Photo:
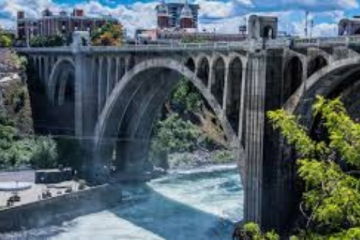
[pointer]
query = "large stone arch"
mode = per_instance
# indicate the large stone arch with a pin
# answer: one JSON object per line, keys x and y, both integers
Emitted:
{"x": 134, "y": 104}
{"x": 328, "y": 81}
{"x": 62, "y": 67}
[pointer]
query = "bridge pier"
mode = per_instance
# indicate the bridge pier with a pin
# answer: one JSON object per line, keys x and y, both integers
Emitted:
{"x": 269, "y": 194}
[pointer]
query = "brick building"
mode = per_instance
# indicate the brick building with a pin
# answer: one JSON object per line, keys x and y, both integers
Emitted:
{"x": 177, "y": 15}
{"x": 64, "y": 24}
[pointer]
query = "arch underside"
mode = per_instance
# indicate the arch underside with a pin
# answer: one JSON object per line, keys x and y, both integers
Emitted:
{"x": 342, "y": 79}
{"x": 126, "y": 121}
{"x": 61, "y": 92}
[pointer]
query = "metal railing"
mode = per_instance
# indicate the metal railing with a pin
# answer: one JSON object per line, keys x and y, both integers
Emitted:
{"x": 246, "y": 45}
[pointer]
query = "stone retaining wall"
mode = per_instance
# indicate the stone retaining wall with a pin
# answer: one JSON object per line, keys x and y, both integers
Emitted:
{"x": 60, "y": 208}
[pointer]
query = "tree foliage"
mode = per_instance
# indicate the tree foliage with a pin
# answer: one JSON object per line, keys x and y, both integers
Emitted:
{"x": 329, "y": 169}
{"x": 17, "y": 150}
{"x": 110, "y": 34}
{"x": 5, "y": 40}
{"x": 186, "y": 97}
{"x": 50, "y": 41}
{"x": 175, "y": 134}
{"x": 251, "y": 231}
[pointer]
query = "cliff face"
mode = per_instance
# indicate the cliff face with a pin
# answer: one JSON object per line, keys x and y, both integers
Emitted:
{"x": 14, "y": 95}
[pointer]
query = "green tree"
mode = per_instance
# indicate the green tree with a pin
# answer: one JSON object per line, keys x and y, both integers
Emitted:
{"x": 5, "y": 40}
{"x": 110, "y": 34}
{"x": 187, "y": 97}
{"x": 329, "y": 169}
{"x": 44, "y": 154}
{"x": 50, "y": 41}
{"x": 173, "y": 135}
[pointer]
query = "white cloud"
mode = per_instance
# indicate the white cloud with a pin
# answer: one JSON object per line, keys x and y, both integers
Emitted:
{"x": 215, "y": 9}
{"x": 213, "y": 14}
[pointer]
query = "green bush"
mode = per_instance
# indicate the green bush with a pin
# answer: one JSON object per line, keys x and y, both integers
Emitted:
{"x": 251, "y": 231}
{"x": 223, "y": 157}
{"x": 175, "y": 134}
{"x": 5, "y": 41}
{"x": 44, "y": 154}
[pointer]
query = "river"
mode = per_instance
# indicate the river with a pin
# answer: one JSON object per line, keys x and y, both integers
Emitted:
{"x": 196, "y": 204}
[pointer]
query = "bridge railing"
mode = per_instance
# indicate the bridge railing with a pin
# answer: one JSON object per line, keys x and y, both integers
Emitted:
{"x": 355, "y": 40}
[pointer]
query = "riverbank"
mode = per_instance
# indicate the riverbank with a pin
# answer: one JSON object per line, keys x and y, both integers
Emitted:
{"x": 58, "y": 209}
{"x": 200, "y": 158}
{"x": 196, "y": 204}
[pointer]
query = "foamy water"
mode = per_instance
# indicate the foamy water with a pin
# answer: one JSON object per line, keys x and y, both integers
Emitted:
{"x": 197, "y": 204}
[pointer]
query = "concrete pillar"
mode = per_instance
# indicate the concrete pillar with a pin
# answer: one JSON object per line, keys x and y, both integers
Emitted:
{"x": 226, "y": 90}
{"x": 254, "y": 146}
{"x": 100, "y": 94}
{"x": 80, "y": 84}
{"x": 109, "y": 77}
{"x": 211, "y": 76}
{"x": 41, "y": 69}
{"x": 62, "y": 88}
{"x": 47, "y": 70}
{"x": 242, "y": 104}
{"x": 270, "y": 196}
{"x": 117, "y": 71}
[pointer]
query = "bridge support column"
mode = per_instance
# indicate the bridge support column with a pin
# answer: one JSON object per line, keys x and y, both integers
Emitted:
{"x": 85, "y": 106}
{"x": 269, "y": 199}
{"x": 47, "y": 70}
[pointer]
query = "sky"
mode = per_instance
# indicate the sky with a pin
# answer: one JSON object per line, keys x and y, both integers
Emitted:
{"x": 215, "y": 15}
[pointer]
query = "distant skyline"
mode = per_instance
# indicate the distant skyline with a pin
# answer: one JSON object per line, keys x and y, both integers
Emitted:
{"x": 223, "y": 15}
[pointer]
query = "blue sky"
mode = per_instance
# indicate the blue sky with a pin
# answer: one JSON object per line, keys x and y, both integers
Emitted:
{"x": 218, "y": 15}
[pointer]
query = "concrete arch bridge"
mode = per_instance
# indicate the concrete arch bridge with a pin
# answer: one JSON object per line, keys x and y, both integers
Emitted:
{"x": 109, "y": 97}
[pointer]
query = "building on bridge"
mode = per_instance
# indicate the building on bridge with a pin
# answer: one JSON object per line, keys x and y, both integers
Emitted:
{"x": 65, "y": 24}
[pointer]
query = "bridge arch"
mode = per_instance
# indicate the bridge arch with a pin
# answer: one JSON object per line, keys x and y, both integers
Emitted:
{"x": 61, "y": 68}
{"x": 133, "y": 106}
{"x": 190, "y": 63}
{"x": 61, "y": 94}
{"x": 203, "y": 70}
{"x": 293, "y": 75}
{"x": 328, "y": 81}
{"x": 234, "y": 91}
{"x": 315, "y": 64}
{"x": 218, "y": 78}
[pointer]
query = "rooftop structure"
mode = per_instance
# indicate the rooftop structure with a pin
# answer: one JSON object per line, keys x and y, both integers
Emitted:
{"x": 176, "y": 15}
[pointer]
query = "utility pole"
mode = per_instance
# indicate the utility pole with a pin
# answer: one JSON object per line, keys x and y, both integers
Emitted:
{"x": 306, "y": 23}
{"x": 311, "y": 27}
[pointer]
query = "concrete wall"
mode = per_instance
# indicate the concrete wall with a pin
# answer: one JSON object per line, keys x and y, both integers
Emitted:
{"x": 58, "y": 209}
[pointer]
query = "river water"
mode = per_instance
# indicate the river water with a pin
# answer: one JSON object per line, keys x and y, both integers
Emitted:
{"x": 196, "y": 204}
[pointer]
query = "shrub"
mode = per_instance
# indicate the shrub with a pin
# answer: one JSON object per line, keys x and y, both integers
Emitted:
{"x": 44, "y": 154}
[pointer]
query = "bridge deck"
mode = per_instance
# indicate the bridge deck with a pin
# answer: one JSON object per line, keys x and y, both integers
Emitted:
{"x": 245, "y": 45}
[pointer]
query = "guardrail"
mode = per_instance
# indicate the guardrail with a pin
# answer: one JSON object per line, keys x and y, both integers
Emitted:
{"x": 246, "y": 45}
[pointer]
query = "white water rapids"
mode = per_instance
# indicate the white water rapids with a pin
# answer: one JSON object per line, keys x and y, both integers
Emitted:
{"x": 196, "y": 204}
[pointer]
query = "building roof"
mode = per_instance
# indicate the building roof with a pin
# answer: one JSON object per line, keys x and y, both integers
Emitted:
{"x": 186, "y": 11}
